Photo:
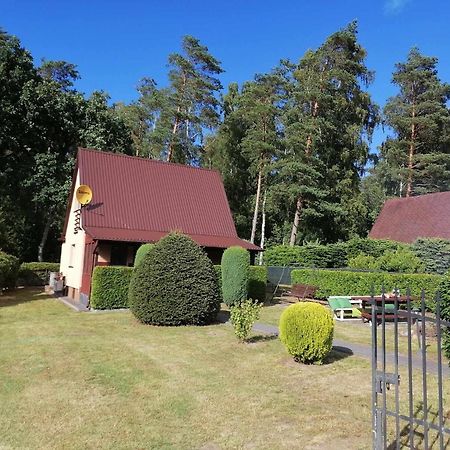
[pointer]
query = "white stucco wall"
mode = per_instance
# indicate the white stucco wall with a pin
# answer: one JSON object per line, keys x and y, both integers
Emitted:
{"x": 72, "y": 250}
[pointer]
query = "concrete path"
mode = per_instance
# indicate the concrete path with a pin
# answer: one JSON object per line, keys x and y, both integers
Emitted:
{"x": 365, "y": 351}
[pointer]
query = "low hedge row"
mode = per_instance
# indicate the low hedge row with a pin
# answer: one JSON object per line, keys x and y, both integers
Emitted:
{"x": 9, "y": 268}
{"x": 328, "y": 255}
{"x": 342, "y": 282}
{"x": 256, "y": 284}
{"x": 36, "y": 273}
{"x": 110, "y": 287}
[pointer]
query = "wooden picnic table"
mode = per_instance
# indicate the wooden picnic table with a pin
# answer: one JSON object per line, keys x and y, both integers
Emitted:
{"x": 366, "y": 305}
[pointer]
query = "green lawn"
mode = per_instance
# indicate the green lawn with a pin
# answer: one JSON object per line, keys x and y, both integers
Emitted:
{"x": 101, "y": 380}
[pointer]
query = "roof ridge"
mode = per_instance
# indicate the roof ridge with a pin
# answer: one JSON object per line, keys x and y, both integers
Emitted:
{"x": 122, "y": 155}
{"x": 428, "y": 194}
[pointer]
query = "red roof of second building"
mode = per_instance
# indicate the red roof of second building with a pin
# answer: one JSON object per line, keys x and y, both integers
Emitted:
{"x": 141, "y": 200}
{"x": 406, "y": 219}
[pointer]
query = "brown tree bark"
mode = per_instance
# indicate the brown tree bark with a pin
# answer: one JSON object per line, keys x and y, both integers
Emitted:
{"x": 263, "y": 227}
{"x": 411, "y": 153}
{"x": 256, "y": 211}
{"x": 43, "y": 240}
{"x": 299, "y": 205}
{"x": 295, "y": 224}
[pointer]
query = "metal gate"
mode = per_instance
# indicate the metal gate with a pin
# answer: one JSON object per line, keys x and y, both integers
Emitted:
{"x": 410, "y": 380}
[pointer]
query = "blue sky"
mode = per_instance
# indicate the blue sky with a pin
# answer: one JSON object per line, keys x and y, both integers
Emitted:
{"x": 115, "y": 43}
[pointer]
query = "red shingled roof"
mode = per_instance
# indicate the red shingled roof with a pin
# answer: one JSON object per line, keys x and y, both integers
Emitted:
{"x": 141, "y": 200}
{"x": 406, "y": 219}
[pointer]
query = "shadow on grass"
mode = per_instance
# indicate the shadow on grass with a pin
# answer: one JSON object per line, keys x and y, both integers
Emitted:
{"x": 261, "y": 338}
{"x": 337, "y": 353}
{"x": 20, "y": 295}
{"x": 223, "y": 317}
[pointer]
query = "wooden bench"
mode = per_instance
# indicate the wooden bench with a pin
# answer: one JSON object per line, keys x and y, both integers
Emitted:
{"x": 300, "y": 291}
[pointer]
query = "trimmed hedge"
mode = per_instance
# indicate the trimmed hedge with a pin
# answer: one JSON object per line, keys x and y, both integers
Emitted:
{"x": 36, "y": 273}
{"x": 9, "y": 269}
{"x": 306, "y": 329}
{"x": 235, "y": 275}
{"x": 175, "y": 284}
{"x": 141, "y": 252}
{"x": 110, "y": 287}
{"x": 257, "y": 281}
{"x": 342, "y": 282}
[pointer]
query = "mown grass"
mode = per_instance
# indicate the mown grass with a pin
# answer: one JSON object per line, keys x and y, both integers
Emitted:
{"x": 86, "y": 380}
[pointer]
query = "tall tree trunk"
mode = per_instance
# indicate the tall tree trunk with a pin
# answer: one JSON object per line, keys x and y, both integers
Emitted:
{"x": 43, "y": 240}
{"x": 299, "y": 205}
{"x": 411, "y": 152}
{"x": 263, "y": 227}
{"x": 295, "y": 224}
{"x": 170, "y": 149}
{"x": 256, "y": 211}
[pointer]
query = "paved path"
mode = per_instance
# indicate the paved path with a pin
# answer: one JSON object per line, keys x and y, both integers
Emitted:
{"x": 365, "y": 351}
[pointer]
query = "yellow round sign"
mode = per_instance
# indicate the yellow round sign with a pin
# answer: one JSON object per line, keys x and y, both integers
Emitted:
{"x": 84, "y": 194}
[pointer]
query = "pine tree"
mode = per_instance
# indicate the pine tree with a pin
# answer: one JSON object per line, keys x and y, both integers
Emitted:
{"x": 417, "y": 158}
{"x": 327, "y": 126}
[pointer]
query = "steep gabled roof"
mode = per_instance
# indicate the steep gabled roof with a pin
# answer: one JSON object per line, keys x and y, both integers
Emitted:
{"x": 141, "y": 200}
{"x": 406, "y": 219}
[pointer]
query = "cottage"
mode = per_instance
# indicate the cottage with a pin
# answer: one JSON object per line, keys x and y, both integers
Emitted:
{"x": 136, "y": 200}
{"x": 406, "y": 219}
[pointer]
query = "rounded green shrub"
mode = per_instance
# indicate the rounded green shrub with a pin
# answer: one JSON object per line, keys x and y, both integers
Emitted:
{"x": 9, "y": 269}
{"x": 175, "y": 284}
{"x": 141, "y": 252}
{"x": 306, "y": 330}
{"x": 235, "y": 275}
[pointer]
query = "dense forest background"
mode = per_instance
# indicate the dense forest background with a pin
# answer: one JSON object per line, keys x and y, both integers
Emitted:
{"x": 292, "y": 145}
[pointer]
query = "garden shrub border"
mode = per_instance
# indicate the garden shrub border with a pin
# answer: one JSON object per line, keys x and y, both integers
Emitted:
{"x": 110, "y": 287}
{"x": 345, "y": 282}
{"x": 36, "y": 273}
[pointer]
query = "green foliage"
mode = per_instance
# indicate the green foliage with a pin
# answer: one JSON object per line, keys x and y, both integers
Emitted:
{"x": 110, "y": 287}
{"x": 243, "y": 316}
{"x": 363, "y": 262}
{"x": 235, "y": 275}
{"x": 36, "y": 273}
{"x": 341, "y": 282}
{"x": 416, "y": 158}
{"x": 44, "y": 119}
{"x": 257, "y": 282}
{"x": 9, "y": 268}
{"x": 401, "y": 260}
{"x": 141, "y": 252}
{"x": 175, "y": 284}
{"x": 434, "y": 253}
{"x": 306, "y": 329}
{"x": 372, "y": 247}
{"x": 444, "y": 293}
{"x": 308, "y": 255}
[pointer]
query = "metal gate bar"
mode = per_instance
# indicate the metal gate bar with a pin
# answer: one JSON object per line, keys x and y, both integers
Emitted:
{"x": 382, "y": 380}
